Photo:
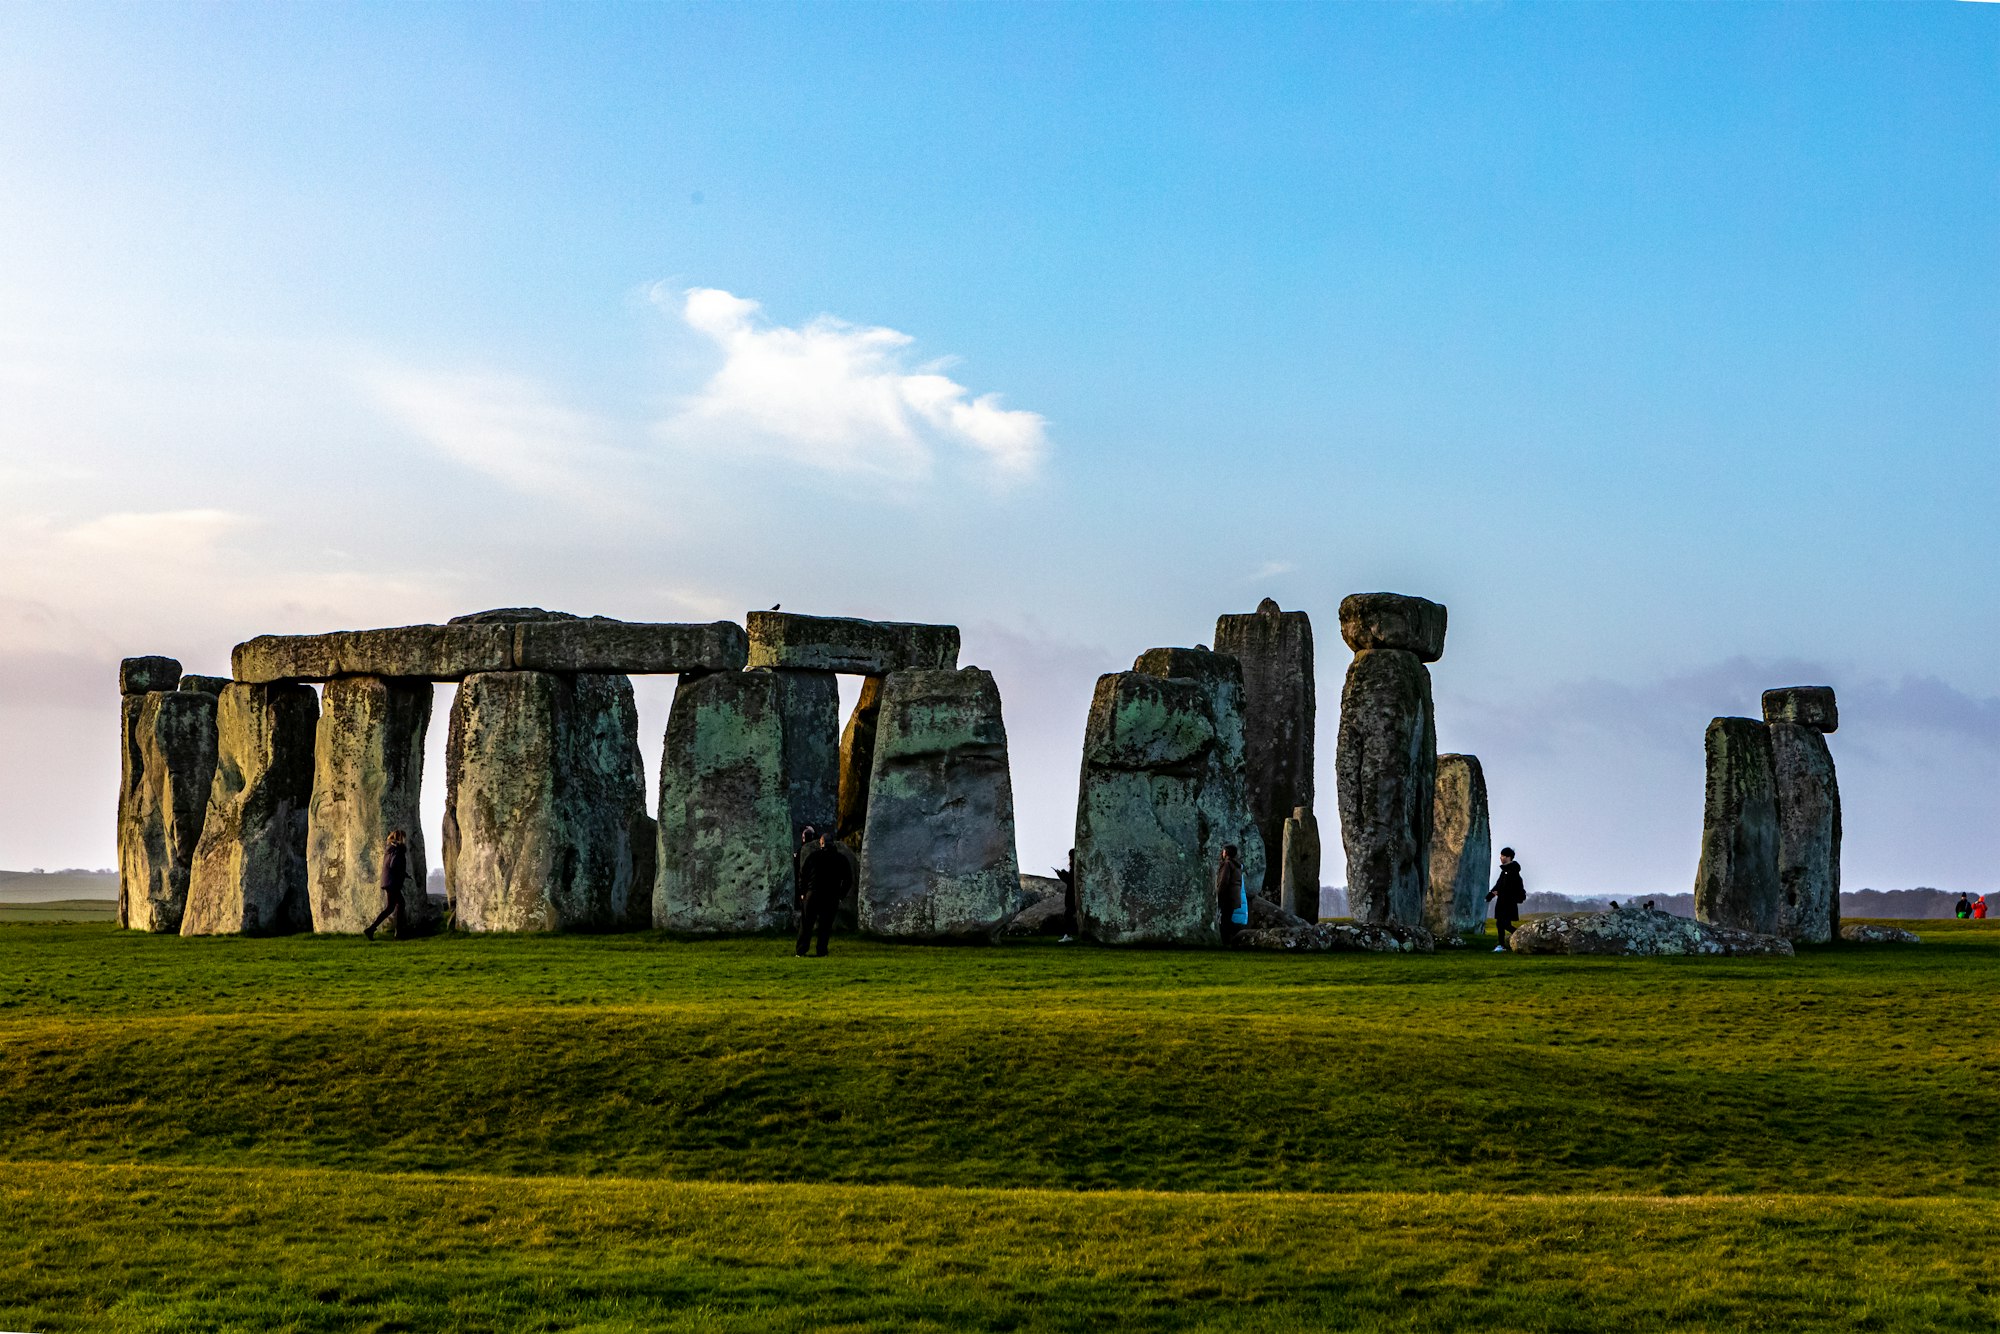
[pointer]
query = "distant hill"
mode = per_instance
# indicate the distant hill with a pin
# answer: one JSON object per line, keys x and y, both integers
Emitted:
{"x": 54, "y": 886}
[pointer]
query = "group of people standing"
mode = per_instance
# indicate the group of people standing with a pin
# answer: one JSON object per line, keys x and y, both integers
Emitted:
{"x": 1972, "y": 908}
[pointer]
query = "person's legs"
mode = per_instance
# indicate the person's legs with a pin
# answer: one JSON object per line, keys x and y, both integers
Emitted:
{"x": 393, "y": 908}
{"x": 826, "y": 916}
{"x": 805, "y": 916}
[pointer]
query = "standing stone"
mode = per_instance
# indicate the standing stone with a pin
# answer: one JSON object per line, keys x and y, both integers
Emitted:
{"x": 167, "y": 766}
{"x": 368, "y": 779}
{"x": 1808, "y": 795}
{"x": 1737, "y": 882}
{"x": 809, "y": 705}
{"x": 249, "y": 872}
{"x": 1461, "y": 848}
{"x": 1145, "y": 850}
{"x": 1280, "y": 710}
{"x": 545, "y": 826}
{"x": 1300, "y": 881}
{"x": 1386, "y": 764}
{"x": 938, "y": 859}
{"x": 725, "y": 830}
{"x": 857, "y": 761}
{"x": 1225, "y": 795}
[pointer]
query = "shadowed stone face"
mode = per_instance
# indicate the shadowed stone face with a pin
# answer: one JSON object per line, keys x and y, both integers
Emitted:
{"x": 1461, "y": 848}
{"x": 143, "y": 676}
{"x": 1387, "y": 770}
{"x": 840, "y": 644}
{"x": 1737, "y": 882}
{"x": 1225, "y": 796}
{"x": 368, "y": 780}
{"x": 1145, "y": 847}
{"x": 1808, "y": 794}
{"x": 1393, "y": 621}
{"x": 249, "y": 873}
{"x": 1280, "y": 709}
{"x": 545, "y": 826}
{"x": 809, "y": 703}
{"x": 726, "y": 839}
{"x": 168, "y": 764}
{"x": 1808, "y": 706}
{"x": 938, "y": 859}
{"x": 1301, "y": 867}
{"x": 207, "y": 685}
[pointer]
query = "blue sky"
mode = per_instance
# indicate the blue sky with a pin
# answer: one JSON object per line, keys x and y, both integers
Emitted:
{"x": 1662, "y": 343}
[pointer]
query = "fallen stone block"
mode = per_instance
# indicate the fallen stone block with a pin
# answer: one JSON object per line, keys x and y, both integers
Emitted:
{"x": 1393, "y": 621}
{"x": 1339, "y": 937}
{"x": 1869, "y": 933}
{"x": 1637, "y": 930}
{"x": 842, "y": 644}
{"x": 249, "y": 871}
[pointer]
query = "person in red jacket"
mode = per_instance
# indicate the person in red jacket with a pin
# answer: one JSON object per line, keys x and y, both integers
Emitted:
{"x": 1979, "y": 908}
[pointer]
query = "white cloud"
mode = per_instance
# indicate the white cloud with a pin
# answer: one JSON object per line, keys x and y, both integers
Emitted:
{"x": 837, "y": 396}
{"x": 507, "y": 428}
{"x": 162, "y": 534}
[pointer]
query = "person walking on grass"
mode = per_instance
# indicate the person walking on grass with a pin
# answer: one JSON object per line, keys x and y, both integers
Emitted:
{"x": 395, "y": 870}
{"x": 825, "y": 876}
{"x": 1507, "y": 896}
{"x": 1230, "y": 900}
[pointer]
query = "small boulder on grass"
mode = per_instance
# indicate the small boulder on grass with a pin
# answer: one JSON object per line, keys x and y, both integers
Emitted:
{"x": 1640, "y": 931}
{"x": 1867, "y": 933}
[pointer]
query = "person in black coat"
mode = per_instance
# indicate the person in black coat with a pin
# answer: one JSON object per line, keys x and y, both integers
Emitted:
{"x": 395, "y": 870}
{"x": 1507, "y": 896}
{"x": 825, "y": 877}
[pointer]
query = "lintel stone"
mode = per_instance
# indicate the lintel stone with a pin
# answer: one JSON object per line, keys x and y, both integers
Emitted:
{"x": 843, "y": 644}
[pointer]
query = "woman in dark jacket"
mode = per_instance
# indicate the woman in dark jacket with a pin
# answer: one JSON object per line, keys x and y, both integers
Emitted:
{"x": 1507, "y": 896}
{"x": 395, "y": 870}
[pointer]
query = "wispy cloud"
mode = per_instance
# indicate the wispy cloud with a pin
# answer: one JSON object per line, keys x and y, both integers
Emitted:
{"x": 168, "y": 534}
{"x": 837, "y": 397}
{"x": 506, "y": 427}
{"x": 1271, "y": 569}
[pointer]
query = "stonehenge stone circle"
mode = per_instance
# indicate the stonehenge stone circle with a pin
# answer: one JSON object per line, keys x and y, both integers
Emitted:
{"x": 1386, "y": 757}
{"x": 840, "y": 644}
{"x": 368, "y": 766}
{"x": 937, "y": 856}
{"x": 545, "y": 826}
{"x": 1145, "y": 849}
{"x": 1300, "y": 879}
{"x": 143, "y": 676}
{"x": 1280, "y": 712}
{"x": 1225, "y": 798}
{"x": 726, "y": 839}
{"x": 1393, "y": 621}
{"x": 1808, "y": 706}
{"x": 167, "y": 765}
{"x": 1461, "y": 848}
{"x": 1808, "y": 795}
{"x": 249, "y": 871}
{"x": 1737, "y": 882}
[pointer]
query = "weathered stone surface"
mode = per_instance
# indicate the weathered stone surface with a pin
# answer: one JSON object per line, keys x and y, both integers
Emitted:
{"x": 1808, "y": 706}
{"x": 1868, "y": 933}
{"x": 1737, "y": 882}
{"x": 368, "y": 778}
{"x": 937, "y": 855}
{"x": 857, "y": 762}
{"x": 249, "y": 871}
{"x": 1044, "y": 911}
{"x": 1225, "y": 795}
{"x": 1327, "y": 937}
{"x": 1393, "y": 621}
{"x": 1300, "y": 879}
{"x": 599, "y": 644}
{"x": 1640, "y": 931}
{"x": 545, "y": 827}
{"x": 1145, "y": 850}
{"x": 841, "y": 644}
{"x": 143, "y": 676}
{"x": 1808, "y": 795}
{"x": 167, "y": 765}
{"x": 726, "y": 838}
{"x": 1461, "y": 848}
{"x": 1280, "y": 715}
{"x": 207, "y": 685}
{"x": 1386, "y": 766}
{"x": 809, "y": 704}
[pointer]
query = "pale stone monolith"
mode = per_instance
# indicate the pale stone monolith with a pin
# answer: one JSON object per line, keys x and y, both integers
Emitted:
{"x": 1300, "y": 849}
{"x": 1386, "y": 766}
{"x": 1461, "y": 848}
{"x": 1808, "y": 794}
{"x": 545, "y": 827}
{"x": 249, "y": 871}
{"x": 1145, "y": 849}
{"x": 1280, "y": 710}
{"x": 857, "y": 762}
{"x": 168, "y": 762}
{"x": 726, "y": 839}
{"x": 1737, "y": 883}
{"x": 367, "y": 781}
{"x": 938, "y": 858}
{"x": 1225, "y": 794}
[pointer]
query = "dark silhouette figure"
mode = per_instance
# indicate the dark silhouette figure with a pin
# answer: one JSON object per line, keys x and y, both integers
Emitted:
{"x": 1507, "y": 896}
{"x": 825, "y": 877}
{"x": 1229, "y": 900}
{"x": 808, "y": 840}
{"x": 395, "y": 870}
{"x": 1963, "y": 908}
{"x": 1067, "y": 874}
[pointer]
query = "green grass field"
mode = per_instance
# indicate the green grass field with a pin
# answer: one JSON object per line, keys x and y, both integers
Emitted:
{"x": 632, "y": 1132}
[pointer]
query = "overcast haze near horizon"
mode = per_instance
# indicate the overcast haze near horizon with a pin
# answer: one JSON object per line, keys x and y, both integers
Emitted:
{"x": 1662, "y": 344}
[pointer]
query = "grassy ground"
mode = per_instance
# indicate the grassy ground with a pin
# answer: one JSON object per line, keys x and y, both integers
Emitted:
{"x": 634, "y": 1132}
